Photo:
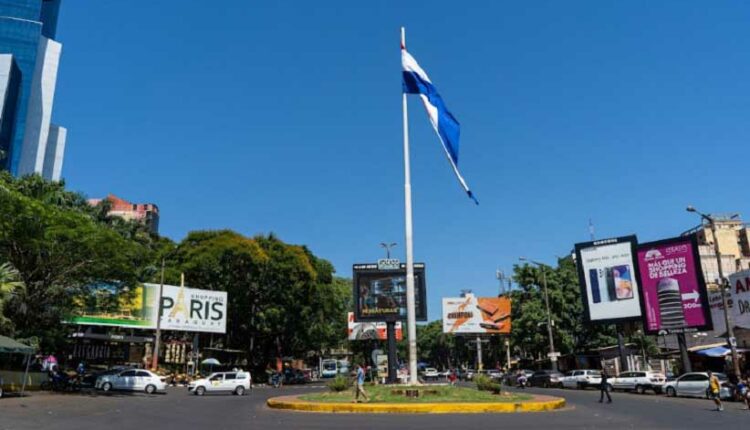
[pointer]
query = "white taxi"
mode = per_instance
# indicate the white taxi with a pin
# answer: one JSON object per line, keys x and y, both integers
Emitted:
{"x": 229, "y": 382}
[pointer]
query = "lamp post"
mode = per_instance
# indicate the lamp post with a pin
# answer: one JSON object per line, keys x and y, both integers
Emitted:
{"x": 387, "y": 247}
{"x": 552, "y": 356}
{"x": 722, "y": 285}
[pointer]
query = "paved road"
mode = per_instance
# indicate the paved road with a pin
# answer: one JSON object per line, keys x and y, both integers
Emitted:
{"x": 178, "y": 410}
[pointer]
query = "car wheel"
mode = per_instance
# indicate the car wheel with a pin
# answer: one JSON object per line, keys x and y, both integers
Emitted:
{"x": 150, "y": 389}
{"x": 1, "y": 392}
{"x": 580, "y": 386}
{"x": 545, "y": 385}
{"x": 240, "y": 391}
{"x": 671, "y": 392}
{"x": 200, "y": 391}
{"x": 640, "y": 389}
{"x": 106, "y": 387}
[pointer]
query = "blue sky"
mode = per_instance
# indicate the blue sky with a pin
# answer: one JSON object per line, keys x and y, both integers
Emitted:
{"x": 286, "y": 117}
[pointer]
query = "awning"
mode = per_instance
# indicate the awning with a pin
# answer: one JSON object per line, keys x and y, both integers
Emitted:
{"x": 10, "y": 346}
{"x": 719, "y": 351}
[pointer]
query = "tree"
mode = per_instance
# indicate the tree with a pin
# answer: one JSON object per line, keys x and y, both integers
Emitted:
{"x": 10, "y": 283}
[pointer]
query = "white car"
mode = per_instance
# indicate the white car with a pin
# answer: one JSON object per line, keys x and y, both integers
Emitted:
{"x": 581, "y": 379}
{"x": 695, "y": 384}
{"x": 431, "y": 373}
{"x": 231, "y": 382}
{"x": 638, "y": 381}
{"x": 131, "y": 380}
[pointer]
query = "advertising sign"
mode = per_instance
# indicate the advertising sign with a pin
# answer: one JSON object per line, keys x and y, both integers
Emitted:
{"x": 476, "y": 315}
{"x": 675, "y": 299}
{"x": 370, "y": 330}
{"x": 738, "y": 299}
{"x": 183, "y": 309}
{"x": 191, "y": 309}
{"x": 380, "y": 295}
{"x": 609, "y": 280}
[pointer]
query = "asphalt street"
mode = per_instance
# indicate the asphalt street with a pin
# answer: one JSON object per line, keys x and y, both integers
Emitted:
{"x": 179, "y": 410}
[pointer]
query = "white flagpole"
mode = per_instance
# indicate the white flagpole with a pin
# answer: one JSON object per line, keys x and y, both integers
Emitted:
{"x": 410, "y": 305}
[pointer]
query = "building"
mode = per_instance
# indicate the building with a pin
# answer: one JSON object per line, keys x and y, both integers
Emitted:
{"x": 733, "y": 237}
{"x": 144, "y": 213}
{"x": 29, "y": 58}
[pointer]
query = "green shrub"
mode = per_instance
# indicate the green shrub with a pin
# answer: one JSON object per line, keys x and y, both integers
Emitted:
{"x": 485, "y": 383}
{"x": 339, "y": 383}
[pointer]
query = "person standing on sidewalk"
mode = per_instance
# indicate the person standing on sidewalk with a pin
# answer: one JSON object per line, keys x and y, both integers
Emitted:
{"x": 714, "y": 386}
{"x": 604, "y": 387}
{"x": 359, "y": 383}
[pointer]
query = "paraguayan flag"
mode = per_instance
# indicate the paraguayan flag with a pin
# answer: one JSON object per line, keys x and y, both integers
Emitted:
{"x": 415, "y": 81}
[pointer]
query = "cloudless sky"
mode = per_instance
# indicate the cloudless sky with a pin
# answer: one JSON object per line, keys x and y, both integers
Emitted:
{"x": 285, "y": 117}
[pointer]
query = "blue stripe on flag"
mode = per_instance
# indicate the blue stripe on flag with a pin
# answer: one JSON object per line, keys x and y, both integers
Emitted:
{"x": 448, "y": 127}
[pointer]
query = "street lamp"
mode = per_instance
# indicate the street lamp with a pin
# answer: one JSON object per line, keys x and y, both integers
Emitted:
{"x": 552, "y": 355}
{"x": 722, "y": 286}
{"x": 388, "y": 247}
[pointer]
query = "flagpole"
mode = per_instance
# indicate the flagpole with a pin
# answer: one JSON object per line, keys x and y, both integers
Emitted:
{"x": 410, "y": 305}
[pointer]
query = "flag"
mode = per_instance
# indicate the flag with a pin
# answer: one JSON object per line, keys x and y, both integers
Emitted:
{"x": 416, "y": 81}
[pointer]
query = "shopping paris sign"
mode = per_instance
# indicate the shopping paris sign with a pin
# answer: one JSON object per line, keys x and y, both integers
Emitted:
{"x": 191, "y": 309}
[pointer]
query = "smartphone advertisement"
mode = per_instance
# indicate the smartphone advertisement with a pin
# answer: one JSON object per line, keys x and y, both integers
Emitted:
{"x": 675, "y": 299}
{"x": 609, "y": 279}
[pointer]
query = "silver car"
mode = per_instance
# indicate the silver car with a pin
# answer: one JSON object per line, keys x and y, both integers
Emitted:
{"x": 695, "y": 384}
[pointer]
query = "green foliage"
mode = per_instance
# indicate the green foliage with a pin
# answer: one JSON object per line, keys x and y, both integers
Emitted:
{"x": 339, "y": 383}
{"x": 10, "y": 284}
{"x": 485, "y": 383}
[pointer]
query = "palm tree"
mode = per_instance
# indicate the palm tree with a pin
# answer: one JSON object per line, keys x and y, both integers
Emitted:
{"x": 10, "y": 283}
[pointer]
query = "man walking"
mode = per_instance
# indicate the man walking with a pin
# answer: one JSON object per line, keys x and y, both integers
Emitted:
{"x": 714, "y": 387}
{"x": 604, "y": 387}
{"x": 359, "y": 389}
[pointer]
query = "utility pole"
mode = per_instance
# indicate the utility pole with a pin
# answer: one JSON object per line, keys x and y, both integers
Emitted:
{"x": 552, "y": 354}
{"x": 723, "y": 287}
{"x": 157, "y": 339}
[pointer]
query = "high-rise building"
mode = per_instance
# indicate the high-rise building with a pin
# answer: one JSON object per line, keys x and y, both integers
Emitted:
{"x": 29, "y": 57}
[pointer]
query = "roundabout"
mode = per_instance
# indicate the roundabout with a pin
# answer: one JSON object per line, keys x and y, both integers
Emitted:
{"x": 385, "y": 401}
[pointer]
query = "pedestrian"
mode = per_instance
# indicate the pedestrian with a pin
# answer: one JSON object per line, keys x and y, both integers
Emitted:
{"x": 604, "y": 387}
{"x": 452, "y": 377}
{"x": 714, "y": 387}
{"x": 359, "y": 385}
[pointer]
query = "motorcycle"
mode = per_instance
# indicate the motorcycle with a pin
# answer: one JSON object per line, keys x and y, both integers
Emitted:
{"x": 522, "y": 382}
{"x": 276, "y": 379}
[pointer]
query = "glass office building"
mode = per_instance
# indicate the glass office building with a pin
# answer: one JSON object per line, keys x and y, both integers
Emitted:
{"x": 30, "y": 143}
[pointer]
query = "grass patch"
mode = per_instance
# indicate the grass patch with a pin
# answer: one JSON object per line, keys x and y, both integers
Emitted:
{"x": 429, "y": 394}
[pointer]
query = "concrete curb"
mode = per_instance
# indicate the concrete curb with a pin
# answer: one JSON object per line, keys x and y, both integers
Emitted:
{"x": 538, "y": 404}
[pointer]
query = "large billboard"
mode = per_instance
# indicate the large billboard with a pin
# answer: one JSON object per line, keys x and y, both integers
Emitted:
{"x": 380, "y": 295}
{"x": 609, "y": 279}
{"x": 476, "y": 315}
{"x": 675, "y": 299}
{"x": 738, "y": 299}
{"x": 183, "y": 309}
{"x": 370, "y": 330}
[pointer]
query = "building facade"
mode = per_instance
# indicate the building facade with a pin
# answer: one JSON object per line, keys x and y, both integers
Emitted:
{"x": 29, "y": 141}
{"x": 144, "y": 213}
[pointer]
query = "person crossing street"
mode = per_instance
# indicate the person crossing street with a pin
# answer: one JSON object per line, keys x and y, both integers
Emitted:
{"x": 359, "y": 385}
{"x": 714, "y": 387}
{"x": 604, "y": 387}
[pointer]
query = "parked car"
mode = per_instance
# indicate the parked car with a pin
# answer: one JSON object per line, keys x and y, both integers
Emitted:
{"x": 229, "y": 382}
{"x": 545, "y": 378}
{"x": 495, "y": 374}
{"x": 582, "y": 379}
{"x": 468, "y": 374}
{"x": 131, "y": 380}
{"x": 695, "y": 384}
{"x": 430, "y": 373}
{"x": 639, "y": 382}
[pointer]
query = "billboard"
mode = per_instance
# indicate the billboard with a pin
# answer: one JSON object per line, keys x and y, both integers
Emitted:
{"x": 738, "y": 299}
{"x": 609, "y": 280}
{"x": 183, "y": 309}
{"x": 476, "y": 315}
{"x": 380, "y": 295}
{"x": 370, "y": 330}
{"x": 674, "y": 293}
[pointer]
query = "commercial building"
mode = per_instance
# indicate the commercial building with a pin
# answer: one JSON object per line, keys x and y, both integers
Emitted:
{"x": 144, "y": 213}
{"x": 733, "y": 237}
{"x": 29, "y": 58}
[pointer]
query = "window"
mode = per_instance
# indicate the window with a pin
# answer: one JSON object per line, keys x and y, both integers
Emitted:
{"x": 217, "y": 377}
{"x": 230, "y": 376}
{"x": 129, "y": 373}
{"x": 640, "y": 374}
{"x": 142, "y": 374}
{"x": 694, "y": 378}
